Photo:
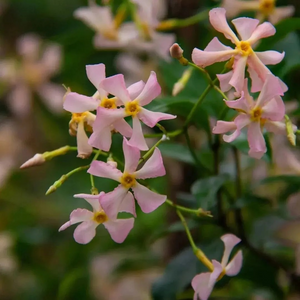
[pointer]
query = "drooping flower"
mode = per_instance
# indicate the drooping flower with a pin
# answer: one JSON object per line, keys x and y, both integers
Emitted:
{"x": 121, "y": 199}
{"x": 266, "y": 112}
{"x": 86, "y": 231}
{"x": 250, "y": 32}
{"x": 265, "y": 9}
{"x": 203, "y": 283}
{"x": 30, "y": 73}
{"x": 80, "y": 107}
{"x": 133, "y": 106}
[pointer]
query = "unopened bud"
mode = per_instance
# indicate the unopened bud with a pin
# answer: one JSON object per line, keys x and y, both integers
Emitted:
{"x": 112, "y": 162}
{"x": 182, "y": 82}
{"x": 290, "y": 130}
{"x": 176, "y": 51}
{"x": 36, "y": 160}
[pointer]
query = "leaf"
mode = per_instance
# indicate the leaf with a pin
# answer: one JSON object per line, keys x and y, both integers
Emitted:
{"x": 205, "y": 190}
{"x": 250, "y": 200}
{"x": 177, "y": 151}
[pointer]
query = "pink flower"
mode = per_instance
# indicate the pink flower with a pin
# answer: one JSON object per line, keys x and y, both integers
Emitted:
{"x": 250, "y": 33}
{"x": 265, "y": 9}
{"x": 85, "y": 232}
{"x": 267, "y": 111}
{"x": 133, "y": 106}
{"x": 203, "y": 283}
{"x": 121, "y": 199}
{"x": 80, "y": 105}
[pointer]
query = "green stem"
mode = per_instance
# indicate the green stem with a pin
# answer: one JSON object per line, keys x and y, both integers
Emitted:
{"x": 150, "y": 151}
{"x": 197, "y": 212}
{"x": 169, "y": 134}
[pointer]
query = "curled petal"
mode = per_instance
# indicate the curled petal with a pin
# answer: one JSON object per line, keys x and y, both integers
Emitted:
{"x": 83, "y": 147}
{"x": 93, "y": 200}
{"x": 85, "y": 232}
{"x": 240, "y": 104}
{"x": 151, "y": 90}
{"x": 270, "y": 57}
{"x": 240, "y": 121}
{"x": 224, "y": 81}
{"x": 238, "y": 77}
{"x": 256, "y": 141}
{"x": 223, "y": 127}
{"x": 235, "y": 265}
{"x": 147, "y": 200}
{"x": 104, "y": 170}
{"x": 200, "y": 284}
{"x": 77, "y": 103}
{"x": 263, "y": 30}
{"x": 245, "y": 27}
{"x": 135, "y": 89}
{"x": 131, "y": 155}
{"x": 119, "y": 229}
{"x": 137, "y": 139}
{"x": 151, "y": 118}
{"x": 115, "y": 85}
{"x": 95, "y": 74}
{"x": 154, "y": 167}
{"x": 256, "y": 82}
{"x": 217, "y": 18}
{"x": 76, "y": 216}
{"x": 229, "y": 240}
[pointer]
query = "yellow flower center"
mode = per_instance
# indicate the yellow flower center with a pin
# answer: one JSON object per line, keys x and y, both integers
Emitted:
{"x": 256, "y": 114}
{"x": 110, "y": 34}
{"x": 132, "y": 108}
{"x": 108, "y": 103}
{"x": 266, "y": 6}
{"x": 244, "y": 48}
{"x": 100, "y": 217}
{"x": 78, "y": 117}
{"x": 128, "y": 180}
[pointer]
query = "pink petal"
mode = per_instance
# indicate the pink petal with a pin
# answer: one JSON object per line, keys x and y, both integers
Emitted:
{"x": 112, "y": 202}
{"x": 115, "y": 85}
{"x": 93, "y": 200}
{"x": 147, "y": 200}
{"x": 223, "y": 127}
{"x": 263, "y": 30}
{"x": 151, "y": 90}
{"x": 240, "y": 121}
{"x": 270, "y": 57}
{"x": 85, "y": 232}
{"x": 245, "y": 27}
{"x": 137, "y": 139}
{"x": 51, "y": 59}
{"x": 104, "y": 170}
{"x": 200, "y": 284}
{"x": 77, "y": 103}
{"x": 123, "y": 127}
{"x": 215, "y": 46}
{"x": 95, "y": 74}
{"x": 162, "y": 43}
{"x": 207, "y": 58}
{"x": 276, "y": 127}
{"x": 151, "y": 118}
{"x": 270, "y": 89}
{"x": 238, "y": 77}
{"x": 101, "y": 139}
{"x": 256, "y": 141}
{"x": 229, "y": 240}
{"x": 281, "y": 13}
{"x": 217, "y": 18}
{"x": 135, "y": 89}
{"x": 119, "y": 229}
{"x": 240, "y": 104}
{"x": 131, "y": 155}
{"x": 224, "y": 81}
{"x": 235, "y": 265}
{"x": 154, "y": 167}
{"x": 76, "y": 216}
{"x": 128, "y": 204}
{"x": 83, "y": 147}
{"x": 256, "y": 82}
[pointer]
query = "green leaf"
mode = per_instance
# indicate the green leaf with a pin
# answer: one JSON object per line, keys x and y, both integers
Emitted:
{"x": 177, "y": 151}
{"x": 205, "y": 190}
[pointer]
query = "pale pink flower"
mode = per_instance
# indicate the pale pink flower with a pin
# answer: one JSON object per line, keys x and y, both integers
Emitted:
{"x": 86, "y": 231}
{"x": 80, "y": 107}
{"x": 250, "y": 32}
{"x": 203, "y": 283}
{"x": 266, "y": 112}
{"x": 121, "y": 199}
{"x": 265, "y": 9}
{"x": 30, "y": 73}
{"x": 115, "y": 85}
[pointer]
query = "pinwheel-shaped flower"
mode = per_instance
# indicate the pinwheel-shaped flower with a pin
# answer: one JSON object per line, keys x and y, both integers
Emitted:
{"x": 133, "y": 106}
{"x": 203, "y": 283}
{"x": 80, "y": 105}
{"x": 86, "y": 231}
{"x": 266, "y": 9}
{"x": 121, "y": 199}
{"x": 250, "y": 33}
{"x": 267, "y": 111}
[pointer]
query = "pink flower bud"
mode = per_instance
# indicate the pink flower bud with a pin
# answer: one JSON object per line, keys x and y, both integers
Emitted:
{"x": 36, "y": 160}
{"x": 176, "y": 51}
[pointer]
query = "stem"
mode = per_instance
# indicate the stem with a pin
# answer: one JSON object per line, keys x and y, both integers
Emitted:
{"x": 94, "y": 190}
{"x": 197, "y": 212}
{"x": 150, "y": 151}
{"x": 198, "y": 252}
{"x": 169, "y": 134}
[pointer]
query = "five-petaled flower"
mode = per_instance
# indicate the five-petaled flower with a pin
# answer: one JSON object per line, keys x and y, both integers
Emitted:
{"x": 203, "y": 283}
{"x": 265, "y": 9}
{"x": 266, "y": 112}
{"x": 250, "y": 33}
{"x": 86, "y": 231}
{"x": 133, "y": 106}
{"x": 121, "y": 199}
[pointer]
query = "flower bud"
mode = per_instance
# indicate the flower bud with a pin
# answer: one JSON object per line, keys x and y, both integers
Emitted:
{"x": 176, "y": 51}
{"x": 182, "y": 82}
{"x": 36, "y": 160}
